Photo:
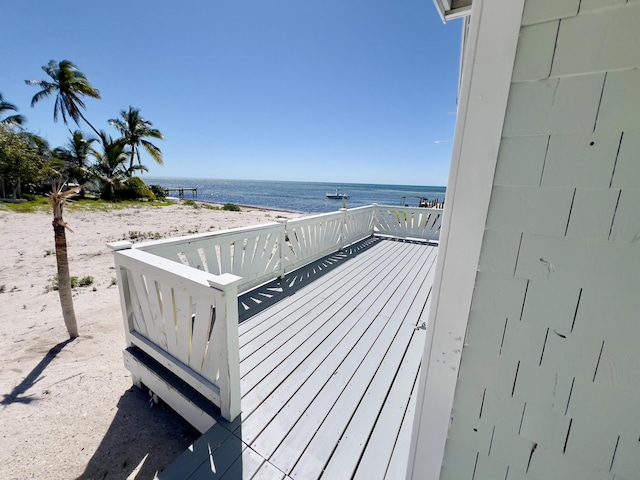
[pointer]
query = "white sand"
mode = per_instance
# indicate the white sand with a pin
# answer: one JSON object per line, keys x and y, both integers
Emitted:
{"x": 71, "y": 412}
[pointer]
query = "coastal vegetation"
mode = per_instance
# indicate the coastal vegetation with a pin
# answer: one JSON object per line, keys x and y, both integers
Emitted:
{"x": 98, "y": 161}
{"x": 106, "y": 165}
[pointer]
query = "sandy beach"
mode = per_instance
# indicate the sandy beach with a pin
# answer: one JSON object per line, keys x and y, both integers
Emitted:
{"x": 68, "y": 409}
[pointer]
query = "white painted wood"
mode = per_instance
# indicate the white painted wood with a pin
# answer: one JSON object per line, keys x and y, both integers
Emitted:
{"x": 372, "y": 313}
{"x": 627, "y": 169}
{"x": 539, "y": 11}
{"x": 499, "y": 252}
{"x": 358, "y": 224}
{"x": 536, "y": 48}
{"x": 530, "y": 209}
{"x": 499, "y": 294}
{"x": 270, "y": 377}
{"x": 350, "y": 277}
{"x": 569, "y": 155}
{"x": 197, "y": 417}
{"x": 617, "y": 307}
{"x": 311, "y": 238}
{"x": 329, "y": 431}
{"x": 521, "y": 160}
{"x": 379, "y": 446}
{"x": 487, "y": 468}
{"x": 595, "y": 397}
{"x": 510, "y": 448}
{"x": 552, "y": 304}
{"x": 619, "y": 109}
{"x": 524, "y": 341}
{"x": 398, "y": 463}
{"x": 563, "y": 260}
{"x": 627, "y": 461}
{"x": 462, "y": 467}
{"x": 609, "y": 33}
{"x": 544, "y": 427}
{"x": 407, "y": 222}
{"x": 548, "y": 463}
{"x": 592, "y": 442}
{"x": 564, "y": 105}
{"x": 590, "y": 5}
{"x": 248, "y": 252}
{"x": 207, "y": 359}
{"x": 592, "y": 213}
{"x": 489, "y": 60}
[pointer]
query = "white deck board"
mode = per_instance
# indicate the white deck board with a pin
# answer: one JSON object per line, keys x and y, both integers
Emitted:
{"x": 349, "y": 421}
{"x": 328, "y": 372}
{"x": 268, "y": 376}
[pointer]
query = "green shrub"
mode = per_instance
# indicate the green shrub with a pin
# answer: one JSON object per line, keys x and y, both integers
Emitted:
{"x": 53, "y": 283}
{"x": 232, "y": 207}
{"x": 158, "y": 191}
{"x": 86, "y": 281}
{"x": 191, "y": 203}
{"x": 133, "y": 189}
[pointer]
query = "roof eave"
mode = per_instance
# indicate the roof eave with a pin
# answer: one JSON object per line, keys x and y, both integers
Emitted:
{"x": 448, "y": 11}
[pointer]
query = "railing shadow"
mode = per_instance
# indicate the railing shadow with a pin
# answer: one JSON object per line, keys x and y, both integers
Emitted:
{"x": 254, "y": 301}
{"x": 218, "y": 453}
{"x": 15, "y": 396}
{"x": 142, "y": 440}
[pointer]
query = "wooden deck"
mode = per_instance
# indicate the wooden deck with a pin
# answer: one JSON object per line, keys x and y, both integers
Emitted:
{"x": 329, "y": 363}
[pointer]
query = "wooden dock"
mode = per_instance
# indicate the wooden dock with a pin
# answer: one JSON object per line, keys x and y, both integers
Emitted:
{"x": 180, "y": 191}
{"x": 329, "y": 364}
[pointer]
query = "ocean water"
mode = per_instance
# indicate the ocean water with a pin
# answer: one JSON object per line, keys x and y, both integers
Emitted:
{"x": 301, "y": 197}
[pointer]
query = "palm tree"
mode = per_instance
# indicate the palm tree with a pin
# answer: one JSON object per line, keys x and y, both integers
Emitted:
{"x": 110, "y": 168}
{"x": 134, "y": 129}
{"x": 70, "y": 85}
{"x": 11, "y": 120}
{"x": 58, "y": 198}
{"x": 75, "y": 154}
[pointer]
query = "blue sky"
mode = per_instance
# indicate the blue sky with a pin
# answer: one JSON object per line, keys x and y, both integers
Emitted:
{"x": 334, "y": 90}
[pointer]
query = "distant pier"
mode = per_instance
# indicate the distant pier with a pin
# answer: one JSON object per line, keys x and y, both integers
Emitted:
{"x": 181, "y": 190}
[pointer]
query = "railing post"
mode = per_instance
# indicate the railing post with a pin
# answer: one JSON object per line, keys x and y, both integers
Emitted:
{"x": 343, "y": 229}
{"x": 282, "y": 242}
{"x": 228, "y": 357}
{"x": 374, "y": 215}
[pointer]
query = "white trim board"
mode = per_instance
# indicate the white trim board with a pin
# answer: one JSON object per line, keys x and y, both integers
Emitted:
{"x": 486, "y": 79}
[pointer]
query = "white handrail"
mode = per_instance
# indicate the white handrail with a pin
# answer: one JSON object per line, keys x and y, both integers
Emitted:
{"x": 185, "y": 319}
{"x": 179, "y": 296}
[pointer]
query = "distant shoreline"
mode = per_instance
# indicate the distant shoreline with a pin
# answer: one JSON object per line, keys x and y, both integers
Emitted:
{"x": 254, "y": 207}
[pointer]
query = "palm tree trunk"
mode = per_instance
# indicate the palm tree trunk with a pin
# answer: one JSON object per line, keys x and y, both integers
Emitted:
{"x": 133, "y": 157}
{"x": 64, "y": 279}
{"x": 89, "y": 123}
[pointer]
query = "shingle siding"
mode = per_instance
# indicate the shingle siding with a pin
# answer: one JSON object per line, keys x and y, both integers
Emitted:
{"x": 549, "y": 382}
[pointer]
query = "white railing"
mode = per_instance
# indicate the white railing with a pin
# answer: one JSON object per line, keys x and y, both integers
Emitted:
{"x": 408, "y": 222}
{"x": 185, "y": 319}
{"x": 179, "y": 296}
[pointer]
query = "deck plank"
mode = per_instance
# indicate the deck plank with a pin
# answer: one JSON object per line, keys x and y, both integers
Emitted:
{"x": 270, "y": 376}
{"x": 325, "y": 288}
{"x": 391, "y": 399}
{"x": 329, "y": 368}
{"x": 334, "y": 406}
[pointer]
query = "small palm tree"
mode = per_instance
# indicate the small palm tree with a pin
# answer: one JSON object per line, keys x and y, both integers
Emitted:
{"x": 75, "y": 155}
{"x": 11, "y": 120}
{"x": 58, "y": 198}
{"x": 69, "y": 85}
{"x": 110, "y": 168}
{"x": 134, "y": 129}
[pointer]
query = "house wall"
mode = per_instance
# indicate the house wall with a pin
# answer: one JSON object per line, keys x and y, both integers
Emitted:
{"x": 549, "y": 379}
